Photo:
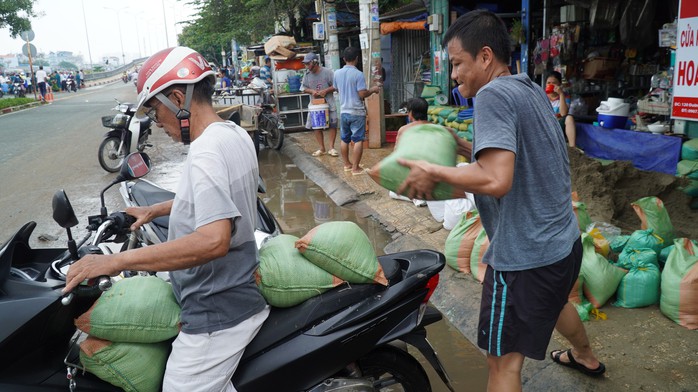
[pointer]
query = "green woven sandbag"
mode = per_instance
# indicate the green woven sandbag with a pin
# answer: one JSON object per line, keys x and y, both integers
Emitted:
{"x": 689, "y": 150}
{"x": 460, "y": 242}
{"x": 619, "y": 242}
{"x": 653, "y": 215}
{"x": 641, "y": 239}
{"x": 453, "y": 116}
{"x": 687, "y": 168}
{"x": 664, "y": 254}
{"x": 344, "y": 250}
{"x": 631, "y": 257}
{"x": 133, "y": 367}
{"x": 601, "y": 278}
{"x": 692, "y": 188}
{"x": 679, "y": 290}
{"x": 142, "y": 309}
{"x": 477, "y": 267}
{"x": 640, "y": 286}
{"x": 286, "y": 278}
{"x": 583, "y": 219}
{"x": 426, "y": 142}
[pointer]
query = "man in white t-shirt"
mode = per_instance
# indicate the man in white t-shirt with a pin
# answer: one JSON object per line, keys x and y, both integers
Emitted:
{"x": 41, "y": 82}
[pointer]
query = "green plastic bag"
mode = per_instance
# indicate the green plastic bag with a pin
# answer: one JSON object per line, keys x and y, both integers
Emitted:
{"x": 141, "y": 309}
{"x": 631, "y": 257}
{"x": 426, "y": 142}
{"x": 653, "y": 215}
{"x": 640, "y": 286}
{"x": 461, "y": 240}
{"x": 692, "y": 188}
{"x": 642, "y": 239}
{"x": 689, "y": 150}
{"x": 601, "y": 278}
{"x": 344, "y": 250}
{"x": 679, "y": 290}
{"x": 583, "y": 309}
{"x": 133, "y": 367}
{"x": 618, "y": 243}
{"x": 286, "y": 278}
{"x": 583, "y": 219}
{"x": 687, "y": 168}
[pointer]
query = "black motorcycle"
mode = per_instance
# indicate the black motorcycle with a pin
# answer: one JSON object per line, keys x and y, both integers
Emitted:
{"x": 351, "y": 338}
{"x": 127, "y": 134}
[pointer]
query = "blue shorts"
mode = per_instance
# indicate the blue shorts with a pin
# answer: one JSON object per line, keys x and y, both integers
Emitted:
{"x": 353, "y": 128}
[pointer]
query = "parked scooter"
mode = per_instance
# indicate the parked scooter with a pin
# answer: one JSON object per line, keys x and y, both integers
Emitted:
{"x": 70, "y": 85}
{"x": 126, "y": 132}
{"x": 18, "y": 89}
{"x": 351, "y": 338}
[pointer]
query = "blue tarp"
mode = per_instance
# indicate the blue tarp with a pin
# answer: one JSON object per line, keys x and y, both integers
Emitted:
{"x": 647, "y": 151}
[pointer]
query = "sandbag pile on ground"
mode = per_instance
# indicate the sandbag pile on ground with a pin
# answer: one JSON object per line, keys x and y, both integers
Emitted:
{"x": 129, "y": 328}
{"x": 427, "y": 142}
{"x": 293, "y": 270}
{"x": 460, "y": 118}
{"x": 688, "y": 167}
{"x": 465, "y": 246}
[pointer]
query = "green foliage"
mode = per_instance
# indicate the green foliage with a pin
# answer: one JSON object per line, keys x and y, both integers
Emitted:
{"x": 15, "y": 15}
{"x": 67, "y": 65}
{"x": 97, "y": 68}
{"x": 10, "y": 102}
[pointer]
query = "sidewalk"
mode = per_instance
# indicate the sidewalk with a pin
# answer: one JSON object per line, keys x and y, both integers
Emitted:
{"x": 642, "y": 349}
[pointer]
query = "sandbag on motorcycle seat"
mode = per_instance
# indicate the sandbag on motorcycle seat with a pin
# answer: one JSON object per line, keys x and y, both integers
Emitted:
{"x": 425, "y": 142}
{"x": 344, "y": 250}
{"x": 133, "y": 367}
{"x": 286, "y": 278}
{"x": 141, "y": 309}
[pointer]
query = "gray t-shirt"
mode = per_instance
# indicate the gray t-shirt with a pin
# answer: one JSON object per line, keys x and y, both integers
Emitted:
{"x": 320, "y": 81}
{"x": 219, "y": 181}
{"x": 533, "y": 225}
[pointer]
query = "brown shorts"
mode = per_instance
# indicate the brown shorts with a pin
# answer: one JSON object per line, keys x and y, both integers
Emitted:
{"x": 519, "y": 309}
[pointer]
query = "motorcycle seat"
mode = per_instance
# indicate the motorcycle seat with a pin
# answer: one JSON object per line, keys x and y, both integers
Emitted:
{"x": 284, "y": 323}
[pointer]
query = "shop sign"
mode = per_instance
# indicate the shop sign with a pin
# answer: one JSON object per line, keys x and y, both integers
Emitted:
{"x": 685, "y": 102}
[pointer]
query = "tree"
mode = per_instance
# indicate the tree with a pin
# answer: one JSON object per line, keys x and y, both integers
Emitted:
{"x": 15, "y": 15}
{"x": 67, "y": 65}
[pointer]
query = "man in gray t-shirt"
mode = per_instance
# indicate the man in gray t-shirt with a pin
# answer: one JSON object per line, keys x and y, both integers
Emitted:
{"x": 318, "y": 83}
{"x": 521, "y": 180}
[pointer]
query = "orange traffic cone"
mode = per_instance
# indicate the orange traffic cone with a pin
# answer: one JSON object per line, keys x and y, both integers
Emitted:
{"x": 49, "y": 95}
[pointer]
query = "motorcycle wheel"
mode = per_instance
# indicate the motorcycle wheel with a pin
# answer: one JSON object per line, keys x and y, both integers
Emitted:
{"x": 273, "y": 135}
{"x": 389, "y": 367}
{"x": 108, "y": 154}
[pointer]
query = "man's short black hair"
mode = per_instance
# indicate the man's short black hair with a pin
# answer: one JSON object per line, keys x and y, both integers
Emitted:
{"x": 351, "y": 53}
{"x": 480, "y": 28}
{"x": 418, "y": 106}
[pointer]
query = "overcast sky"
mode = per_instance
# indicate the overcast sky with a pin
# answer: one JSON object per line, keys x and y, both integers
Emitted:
{"x": 62, "y": 27}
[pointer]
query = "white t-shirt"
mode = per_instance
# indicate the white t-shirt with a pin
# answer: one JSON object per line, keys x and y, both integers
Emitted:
{"x": 40, "y": 76}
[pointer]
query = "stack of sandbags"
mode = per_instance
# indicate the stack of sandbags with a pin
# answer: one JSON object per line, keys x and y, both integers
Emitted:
{"x": 460, "y": 118}
{"x": 293, "y": 270}
{"x": 640, "y": 286}
{"x": 129, "y": 327}
{"x": 428, "y": 142}
{"x": 679, "y": 297}
{"x": 466, "y": 244}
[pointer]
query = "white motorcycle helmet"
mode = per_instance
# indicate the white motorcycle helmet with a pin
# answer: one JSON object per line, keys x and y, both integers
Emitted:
{"x": 169, "y": 67}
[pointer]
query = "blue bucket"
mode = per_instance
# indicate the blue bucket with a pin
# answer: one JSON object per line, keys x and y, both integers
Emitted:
{"x": 319, "y": 116}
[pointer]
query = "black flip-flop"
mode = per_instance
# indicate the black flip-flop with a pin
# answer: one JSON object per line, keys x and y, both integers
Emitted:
{"x": 601, "y": 369}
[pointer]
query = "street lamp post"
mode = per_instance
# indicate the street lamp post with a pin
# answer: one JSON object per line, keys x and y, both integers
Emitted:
{"x": 87, "y": 37}
{"x": 121, "y": 38}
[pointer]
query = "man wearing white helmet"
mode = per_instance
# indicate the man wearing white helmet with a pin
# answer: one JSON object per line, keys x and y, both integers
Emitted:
{"x": 211, "y": 251}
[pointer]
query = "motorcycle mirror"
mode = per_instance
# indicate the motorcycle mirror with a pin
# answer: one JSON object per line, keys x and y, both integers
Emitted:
{"x": 63, "y": 212}
{"x": 136, "y": 165}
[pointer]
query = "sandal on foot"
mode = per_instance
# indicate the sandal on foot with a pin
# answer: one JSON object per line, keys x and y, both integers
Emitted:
{"x": 333, "y": 153}
{"x": 555, "y": 356}
{"x": 363, "y": 171}
{"x": 350, "y": 168}
{"x": 318, "y": 153}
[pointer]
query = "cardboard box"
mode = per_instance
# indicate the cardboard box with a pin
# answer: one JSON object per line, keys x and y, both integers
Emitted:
{"x": 279, "y": 46}
{"x": 600, "y": 68}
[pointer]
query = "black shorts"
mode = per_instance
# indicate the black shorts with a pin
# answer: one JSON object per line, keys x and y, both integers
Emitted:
{"x": 519, "y": 309}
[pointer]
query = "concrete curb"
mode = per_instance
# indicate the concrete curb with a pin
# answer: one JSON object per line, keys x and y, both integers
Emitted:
{"x": 20, "y": 107}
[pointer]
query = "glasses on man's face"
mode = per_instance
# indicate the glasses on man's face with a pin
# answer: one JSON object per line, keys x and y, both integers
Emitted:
{"x": 152, "y": 114}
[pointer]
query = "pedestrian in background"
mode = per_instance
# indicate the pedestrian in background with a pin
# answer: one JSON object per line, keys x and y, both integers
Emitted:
{"x": 318, "y": 82}
{"x": 41, "y": 78}
{"x": 535, "y": 250}
{"x": 350, "y": 83}
{"x": 265, "y": 72}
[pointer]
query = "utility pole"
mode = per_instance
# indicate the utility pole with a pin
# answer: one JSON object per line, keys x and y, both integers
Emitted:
{"x": 329, "y": 18}
{"x": 371, "y": 54}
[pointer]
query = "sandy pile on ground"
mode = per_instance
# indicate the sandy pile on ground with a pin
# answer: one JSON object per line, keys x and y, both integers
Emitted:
{"x": 608, "y": 190}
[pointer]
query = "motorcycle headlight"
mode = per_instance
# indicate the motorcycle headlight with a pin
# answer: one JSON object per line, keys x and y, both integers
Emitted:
{"x": 119, "y": 120}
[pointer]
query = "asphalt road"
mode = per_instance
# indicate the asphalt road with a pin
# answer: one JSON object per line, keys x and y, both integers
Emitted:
{"x": 52, "y": 147}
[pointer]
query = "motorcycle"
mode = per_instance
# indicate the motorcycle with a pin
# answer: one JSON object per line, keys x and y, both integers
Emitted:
{"x": 126, "y": 132}
{"x": 18, "y": 89}
{"x": 351, "y": 338}
{"x": 124, "y": 79}
{"x": 70, "y": 85}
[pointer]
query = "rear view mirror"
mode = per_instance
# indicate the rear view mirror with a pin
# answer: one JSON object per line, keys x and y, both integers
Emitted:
{"x": 63, "y": 212}
{"x": 136, "y": 165}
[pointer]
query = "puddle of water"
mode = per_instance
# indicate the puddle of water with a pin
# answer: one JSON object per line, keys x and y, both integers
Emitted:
{"x": 299, "y": 205}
